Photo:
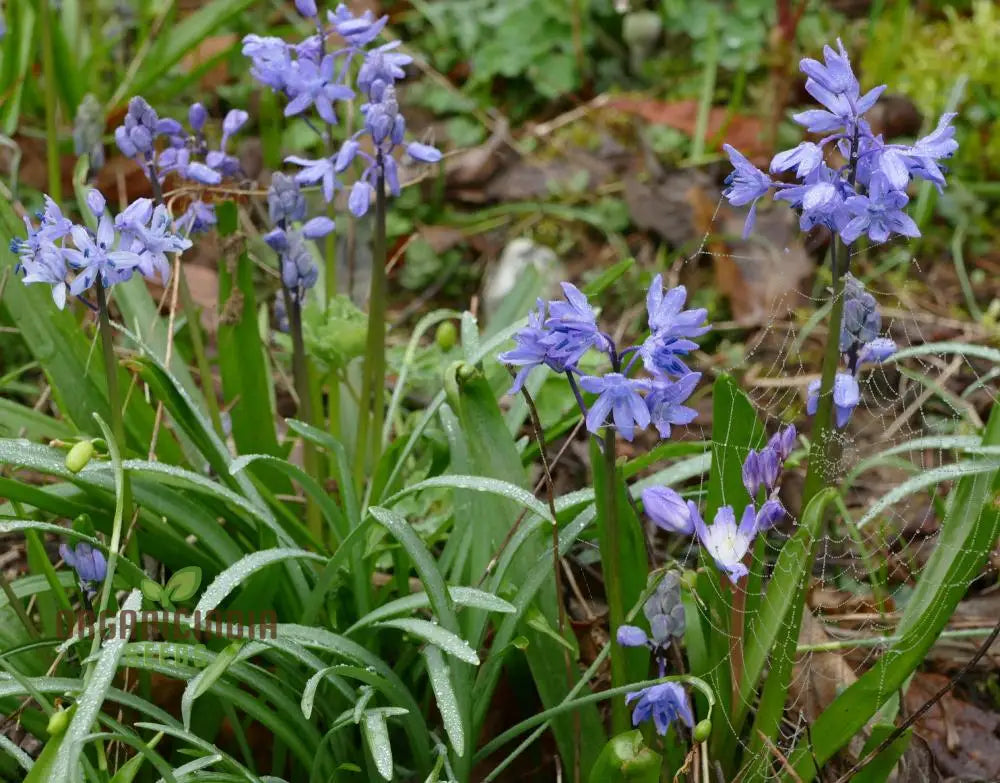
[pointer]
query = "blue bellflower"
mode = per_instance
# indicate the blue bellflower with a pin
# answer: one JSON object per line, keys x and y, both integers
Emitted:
{"x": 621, "y": 398}
{"x": 727, "y": 542}
{"x": 89, "y": 563}
{"x": 662, "y": 703}
{"x": 859, "y": 344}
{"x": 867, "y": 196}
{"x": 668, "y": 510}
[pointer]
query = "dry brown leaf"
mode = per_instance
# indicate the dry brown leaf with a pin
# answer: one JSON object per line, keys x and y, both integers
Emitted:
{"x": 962, "y": 737}
{"x": 818, "y": 676}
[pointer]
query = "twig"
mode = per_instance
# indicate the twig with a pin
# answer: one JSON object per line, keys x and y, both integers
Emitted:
{"x": 915, "y": 716}
{"x": 536, "y": 425}
{"x": 779, "y": 756}
{"x": 517, "y": 523}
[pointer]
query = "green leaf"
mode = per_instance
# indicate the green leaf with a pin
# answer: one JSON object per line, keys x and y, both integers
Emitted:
{"x": 431, "y": 632}
{"x": 462, "y": 596}
{"x": 330, "y": 510}
{"x": 880, "y": 768}
{"x": 627, "y": 759}
{"x": 624, "y": 565}
{"x": 41, "y": 770}
{"x": 376, "y": 733}
{"x": 444, "y": 694}
{"x": 152, "y": 591}
{"x": 185, "y": 35}
{"x": 775, "y": 632}
{"x": 427, "y": 569}
{"x": 183, "y": 584}
{"x": 207, "y": 677}
{"x": 246, "y": 377}
{"x": 67, "y": 764}
{"x": 239, "y": 572}
{"x": 968, "y": 533}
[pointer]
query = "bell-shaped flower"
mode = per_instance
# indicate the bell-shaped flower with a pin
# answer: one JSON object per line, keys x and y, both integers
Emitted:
{"x": 668, "y": 510}
{"x": 662, "y": 703}
{"x": 621, "y": 398}
{"x": 846, "y": 396}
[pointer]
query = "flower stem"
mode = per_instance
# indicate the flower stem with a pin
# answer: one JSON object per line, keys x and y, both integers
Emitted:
{"x": 51, "y": 103}
{"x": 300, "y": 374}
{"x": 373, "y": 374}
{"x": 736, "y": 631}
{"x": 611, "y": 562}
{"x": 819, "y": 473}
{"x": 114, "y": 394}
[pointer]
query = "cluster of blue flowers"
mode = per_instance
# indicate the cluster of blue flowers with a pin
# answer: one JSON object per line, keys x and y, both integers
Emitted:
{"x": 312, "y": 77}
{"x": 560, "y": 333}
{"x": 137, "y": 239}
{"x": 859, "y": 344}
{"x": 184, "y": 154}
{"x": 666, "y": 702}
{"x": 89, "y": 563}
{"x": 865, "y": 195}
{"x": 726, "y": 541}
{"x": 286, "y": 207}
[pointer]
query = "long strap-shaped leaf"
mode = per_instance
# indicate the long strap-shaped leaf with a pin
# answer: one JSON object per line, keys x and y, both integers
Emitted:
{"x": 67, "y": 765}
{"x": 967, "y": 535}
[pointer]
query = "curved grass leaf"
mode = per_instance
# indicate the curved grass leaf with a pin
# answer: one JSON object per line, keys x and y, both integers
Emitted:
{"x": 968, "y": 532}
{"x": 431, "y": 632}
{"x": 461, "y": 596}
{"x": 444, "y": 694}
{"x": 239, "y": 572}
{"x": 89, "y": 703}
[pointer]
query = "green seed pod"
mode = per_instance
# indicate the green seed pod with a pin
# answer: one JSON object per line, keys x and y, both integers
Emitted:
{"x": 703, "y": 730}
{"x": 78, "y": 456}
{"x": 446, "y": 335}
{"x": 690, "y": 579}
{"x": 58, "y": 723}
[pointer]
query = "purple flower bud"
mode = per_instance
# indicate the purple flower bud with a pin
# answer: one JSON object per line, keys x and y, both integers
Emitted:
{"x": 770, "y": 514}
{"x": 199, "y": 172}
{"x": 235, "y": 119}
{"x": 346, "y": 155}
{"x": 391, "y": 175}
{"x": 876, "y": 351}
{"x": 631, "y": 636}
{"x": 359, "y": 198}
{"x": 317, "y": 228}
{"x": 783, "y": 441}
{"x": 668, "y": 510}
{"x": 276, "y": 239}
{"x": 169, "y": 127}
{"x": 306, "y": 7}
{"x": 96, "y": 202}
{"x": 425, "y": 153}
{"x": 124, "y": 143}
{"x": 197, "y": 117}
{"x": 285, "y": 200}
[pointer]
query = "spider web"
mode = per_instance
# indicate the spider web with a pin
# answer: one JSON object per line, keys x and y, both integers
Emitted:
{"x": 862, "y": 575}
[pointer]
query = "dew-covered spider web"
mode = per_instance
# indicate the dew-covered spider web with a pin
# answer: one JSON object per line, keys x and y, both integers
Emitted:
{"x": 917, "y": 425}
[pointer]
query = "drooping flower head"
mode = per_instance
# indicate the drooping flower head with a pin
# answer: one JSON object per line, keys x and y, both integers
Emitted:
{"x": 663, "y": 704}
{"x": 89, "y": 563}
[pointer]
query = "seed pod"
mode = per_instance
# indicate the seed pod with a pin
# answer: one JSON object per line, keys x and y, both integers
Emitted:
{"x": 703, "y": 730}
{"x": 78, "y": 456}
{"x": 58, "y": 723}
{"x": 446, "y": 335}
